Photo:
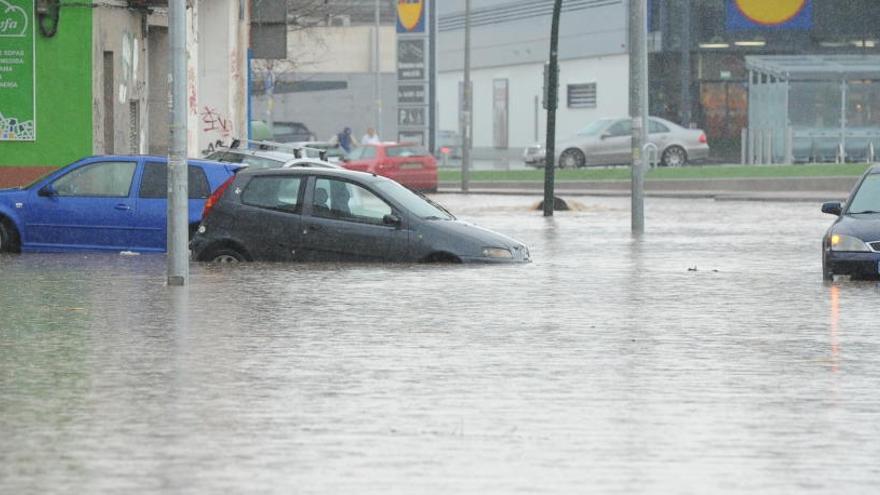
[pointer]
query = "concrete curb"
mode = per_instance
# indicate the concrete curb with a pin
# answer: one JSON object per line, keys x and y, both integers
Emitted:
{"x": 794, "y": 189}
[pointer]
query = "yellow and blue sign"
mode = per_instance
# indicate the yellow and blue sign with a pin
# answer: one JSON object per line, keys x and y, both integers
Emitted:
{"x": 745, "y": 15}
{"x": 411, "y": 16}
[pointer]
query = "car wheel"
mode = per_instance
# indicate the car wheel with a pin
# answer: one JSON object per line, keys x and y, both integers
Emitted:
{"x": 674, "y": 156}
{"x": 225, "y": 255}
{"x": 572, "y": 158}
{"x": 8, "y": 237}
{"x": 827, "y": 274}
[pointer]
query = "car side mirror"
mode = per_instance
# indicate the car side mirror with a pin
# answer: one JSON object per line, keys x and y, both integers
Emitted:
{"x": 391, "y": 219}
{"x": 832, "y": 208}
{"x": 605, "y": 135}
{"x": 47, "y": 191}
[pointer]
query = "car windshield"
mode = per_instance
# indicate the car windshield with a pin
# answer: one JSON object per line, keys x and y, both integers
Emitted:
{"x": 405, "y": 151}
{"x": 595, "y": 128}
{"x": 867, "y": 198}
{"x": 416, "y": 204}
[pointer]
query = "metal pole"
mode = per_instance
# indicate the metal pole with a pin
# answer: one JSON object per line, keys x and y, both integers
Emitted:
{"x": 178, "y": 208}
{"x": 377, "y": 87}
{"x": 432, "y": 75}
{"x": 638, "y": 69}
{"x": 553, "y": 87}
{"x": 685, "y": 112}
{"x": 466, "y": 104}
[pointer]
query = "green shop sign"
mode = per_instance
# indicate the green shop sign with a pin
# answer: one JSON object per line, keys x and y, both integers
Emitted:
{"x": 17, "y": 110}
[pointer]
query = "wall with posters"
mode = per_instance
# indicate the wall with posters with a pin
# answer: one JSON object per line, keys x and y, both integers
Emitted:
{"x": 61, "y": 94}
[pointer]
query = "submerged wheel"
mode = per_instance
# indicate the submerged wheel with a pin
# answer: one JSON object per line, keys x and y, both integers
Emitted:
{"x": 572, "y": 158}
{"x": 9, "y": 241}
{"x": 225, "y": 255}
{"x": 674, "y": 156}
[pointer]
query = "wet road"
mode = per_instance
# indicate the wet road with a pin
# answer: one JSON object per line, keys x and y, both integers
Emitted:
{"x": 605, "y": 366}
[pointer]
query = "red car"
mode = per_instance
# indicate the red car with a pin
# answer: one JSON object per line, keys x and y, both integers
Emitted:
{"x": 408, "y": 164}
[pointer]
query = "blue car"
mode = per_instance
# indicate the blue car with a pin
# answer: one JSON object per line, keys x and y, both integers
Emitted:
{"x": 102, "y": 203}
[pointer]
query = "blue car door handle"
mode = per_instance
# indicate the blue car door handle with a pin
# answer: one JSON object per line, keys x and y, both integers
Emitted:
{"x": 123, "y": 207}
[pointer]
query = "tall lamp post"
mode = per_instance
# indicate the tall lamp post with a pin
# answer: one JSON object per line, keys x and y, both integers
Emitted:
{"x": 467, "y": 118}
{"x": 177, "y": 225}
{"x": 551, "y": 90}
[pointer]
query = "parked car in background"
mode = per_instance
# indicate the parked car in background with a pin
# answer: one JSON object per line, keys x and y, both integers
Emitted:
{"x": 408, "y": 164}
{"x": 257, "y": 159}
{"x": 105, "y": 203}
{"x": 289, "y": 132}
{"x": 609, "y": 142}
{"x": 851, "y": 246}
{"x": 451, "y": 141}
{"x": 311, "y": 214}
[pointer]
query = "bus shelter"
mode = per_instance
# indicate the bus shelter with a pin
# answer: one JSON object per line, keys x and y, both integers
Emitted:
{"x": 813, "y": 108}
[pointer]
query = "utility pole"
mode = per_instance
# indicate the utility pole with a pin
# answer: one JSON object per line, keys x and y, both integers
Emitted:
{"x": 685, "y": 112}
{"x": 466, "y": 140}
{"x": 638, "y": 106}
{"x": 377, "y": 56}
{"x": 178, "y": 207}
{"x": 550, "y": 102}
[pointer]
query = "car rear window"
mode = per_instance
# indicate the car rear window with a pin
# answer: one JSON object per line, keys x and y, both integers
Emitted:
{"x": 155, "y": 182}
{"x": 405, "y": 151}
{"x": 274, "y": 193}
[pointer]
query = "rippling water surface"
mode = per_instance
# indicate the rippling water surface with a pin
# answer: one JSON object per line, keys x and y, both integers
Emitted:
{"x": 608, "y": 365}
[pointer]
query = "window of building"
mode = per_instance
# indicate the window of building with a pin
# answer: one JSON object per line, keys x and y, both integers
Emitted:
{"x": 582, "y": 95}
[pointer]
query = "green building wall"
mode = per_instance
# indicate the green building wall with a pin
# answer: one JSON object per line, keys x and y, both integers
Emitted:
{"x": 63, "y": 95}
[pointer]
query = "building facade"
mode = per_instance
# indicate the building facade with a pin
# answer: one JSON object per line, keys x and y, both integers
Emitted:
{"x": 100, "y": 81}
{"x": 510, "y": 42}
{"x": 698, "y": 49}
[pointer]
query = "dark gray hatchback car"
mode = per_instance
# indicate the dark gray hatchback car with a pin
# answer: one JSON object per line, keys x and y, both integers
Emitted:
{"x": 338, "y": 215}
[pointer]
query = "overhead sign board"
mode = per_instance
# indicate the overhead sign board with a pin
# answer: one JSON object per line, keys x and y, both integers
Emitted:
{"x": 411, "y": 16}
{"x": 413, "y": 61}
{"x": 17, "y": 62}
{"x": 744, "y": 15}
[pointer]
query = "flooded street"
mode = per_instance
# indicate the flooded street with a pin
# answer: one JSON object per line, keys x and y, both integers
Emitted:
{"x": 707, "y": 357}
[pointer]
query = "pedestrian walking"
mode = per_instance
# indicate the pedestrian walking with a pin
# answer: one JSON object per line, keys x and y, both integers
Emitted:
{"x": 344, "y": 139}
{"x": 370, "y": 137}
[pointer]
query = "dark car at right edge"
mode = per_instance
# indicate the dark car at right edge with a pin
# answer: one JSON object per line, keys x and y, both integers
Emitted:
{"x": 851, "y": 246}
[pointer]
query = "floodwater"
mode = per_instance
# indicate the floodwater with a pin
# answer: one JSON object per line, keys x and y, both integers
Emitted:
{"x": 608, "y": 365}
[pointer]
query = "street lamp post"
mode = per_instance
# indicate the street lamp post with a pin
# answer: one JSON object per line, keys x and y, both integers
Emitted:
{"x": 177, "y": 224}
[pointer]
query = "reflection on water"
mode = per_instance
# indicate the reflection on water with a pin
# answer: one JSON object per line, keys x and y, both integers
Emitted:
{"x": 606, "y": 364}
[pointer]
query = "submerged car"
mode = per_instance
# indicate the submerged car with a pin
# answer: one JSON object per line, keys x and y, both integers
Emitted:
{"x": 609, "y": 142}
{"x": 408, "y": 164}
{"x": 103, "y": 203}
{"x": 310, "y": 214}
{"x": 851, "y": 247}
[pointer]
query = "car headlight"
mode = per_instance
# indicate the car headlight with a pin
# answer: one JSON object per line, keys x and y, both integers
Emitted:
{"x": 840, "y": 242}
{"x": 497, "y": 253}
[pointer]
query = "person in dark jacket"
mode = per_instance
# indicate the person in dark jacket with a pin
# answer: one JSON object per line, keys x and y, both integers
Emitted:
{"x": 344, "y": 139}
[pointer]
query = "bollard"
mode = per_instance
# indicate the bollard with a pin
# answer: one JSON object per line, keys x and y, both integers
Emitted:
{"x": 769, "y": 145}
{"x": 759, "y": 147}
{"x": 871, "y": 152}
{"x": 789, "y": 146}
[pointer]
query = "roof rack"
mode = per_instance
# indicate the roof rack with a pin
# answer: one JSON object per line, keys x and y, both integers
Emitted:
{"x": 297, "y": 151}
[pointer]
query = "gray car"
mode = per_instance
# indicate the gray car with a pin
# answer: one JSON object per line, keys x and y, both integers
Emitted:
{"x": 609, "y": 142}
{"x": 312, "y": 214}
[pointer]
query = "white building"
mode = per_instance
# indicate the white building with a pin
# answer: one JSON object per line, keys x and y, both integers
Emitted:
{"x": 510, "y": 42}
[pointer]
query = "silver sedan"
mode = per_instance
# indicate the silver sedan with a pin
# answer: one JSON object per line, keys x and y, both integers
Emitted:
{"x": 609, "y": 142}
